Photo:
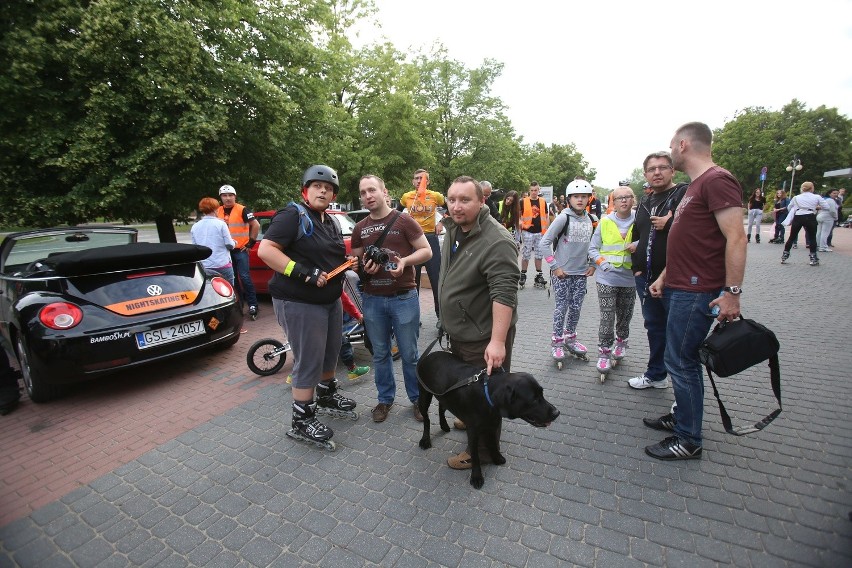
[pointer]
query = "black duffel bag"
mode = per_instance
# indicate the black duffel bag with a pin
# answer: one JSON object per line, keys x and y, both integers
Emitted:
{"x": 733, "y": 347}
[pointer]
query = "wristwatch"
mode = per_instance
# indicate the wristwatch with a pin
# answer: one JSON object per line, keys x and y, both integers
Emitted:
{"x": 735, "y": 290}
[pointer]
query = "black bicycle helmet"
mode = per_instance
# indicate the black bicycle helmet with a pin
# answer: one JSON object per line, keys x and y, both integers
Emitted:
{"x": 321, "y": 173}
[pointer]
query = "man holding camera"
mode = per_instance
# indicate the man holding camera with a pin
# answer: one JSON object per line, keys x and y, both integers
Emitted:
{"x": 389, "y": 246}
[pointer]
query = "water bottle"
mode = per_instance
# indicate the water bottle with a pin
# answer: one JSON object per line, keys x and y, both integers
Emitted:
{"x": 715, "y": 311}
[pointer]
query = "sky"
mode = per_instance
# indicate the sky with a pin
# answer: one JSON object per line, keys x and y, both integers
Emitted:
{"x": 616, "y": 78}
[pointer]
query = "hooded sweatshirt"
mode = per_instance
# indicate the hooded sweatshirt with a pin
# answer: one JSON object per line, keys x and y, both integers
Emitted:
{"x": 572, "y": 250}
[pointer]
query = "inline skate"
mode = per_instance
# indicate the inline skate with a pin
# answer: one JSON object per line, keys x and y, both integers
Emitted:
{"x": 539, "y": 281}
{"x": 574, "y": 347}
{"x": 306, "y": 428}
{"x": 604, "y": 365}
{"x": 619, "y": 352}
{"x": 331, "y": 403}
{"x": 557, "y": 350}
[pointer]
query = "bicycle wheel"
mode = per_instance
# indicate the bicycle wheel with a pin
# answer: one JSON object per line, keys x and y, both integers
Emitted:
{"x": 262, "y": 359}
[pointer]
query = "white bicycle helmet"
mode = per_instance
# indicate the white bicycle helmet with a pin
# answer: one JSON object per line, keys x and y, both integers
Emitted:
{"x": 579, "y": 186}
{"x": 227, "y": 189}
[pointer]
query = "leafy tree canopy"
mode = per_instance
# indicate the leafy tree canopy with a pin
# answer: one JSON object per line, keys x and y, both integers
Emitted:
{"x": 135, "y": 110}
{"x": 821, "y": 138}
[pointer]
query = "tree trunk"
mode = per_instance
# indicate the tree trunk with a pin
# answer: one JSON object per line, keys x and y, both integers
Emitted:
{"x": 166, "y": 229}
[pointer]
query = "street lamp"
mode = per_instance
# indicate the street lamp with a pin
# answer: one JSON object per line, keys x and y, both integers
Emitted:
{"x": 795, "y": 166}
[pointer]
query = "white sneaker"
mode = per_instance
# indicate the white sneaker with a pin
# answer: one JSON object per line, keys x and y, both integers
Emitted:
{"x": 644, "y": 382}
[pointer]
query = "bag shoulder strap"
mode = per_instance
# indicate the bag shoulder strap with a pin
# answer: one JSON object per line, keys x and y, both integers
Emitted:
{"x": 775, "y": 379}
{"x": 564, "y": 230}
{"x": 306, "y": 225}
{"x": 380, "y": 241}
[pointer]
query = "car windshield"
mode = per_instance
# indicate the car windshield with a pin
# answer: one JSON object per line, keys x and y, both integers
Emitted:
{"x": 346, "y": 224}
{"x": 29, "y": 247}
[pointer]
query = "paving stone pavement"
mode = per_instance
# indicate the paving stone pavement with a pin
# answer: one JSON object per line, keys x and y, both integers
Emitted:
{"x": 235, "y": 491}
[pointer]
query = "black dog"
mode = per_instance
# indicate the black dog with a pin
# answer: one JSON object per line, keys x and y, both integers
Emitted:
{"x": 479, "y": 403}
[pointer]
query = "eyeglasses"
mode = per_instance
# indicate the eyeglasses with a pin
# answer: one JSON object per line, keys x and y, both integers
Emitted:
{"x": 623, "y": 198}
{"x": 657, "y": 168}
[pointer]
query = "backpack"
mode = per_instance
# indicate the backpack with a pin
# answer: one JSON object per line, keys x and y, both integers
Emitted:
{"x": 306, "y": 224}
{"x": 564, "y": 230}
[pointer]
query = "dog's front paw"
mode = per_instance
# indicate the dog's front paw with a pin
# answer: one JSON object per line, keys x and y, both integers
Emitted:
{"x": 425, "y": 443}
{"x": 498, "y": 459}
{"x": 444, "y": 426}
{"x": 477, "y": 480}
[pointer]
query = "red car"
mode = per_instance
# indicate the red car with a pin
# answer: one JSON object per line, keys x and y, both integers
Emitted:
{"x": 261, "y": 274}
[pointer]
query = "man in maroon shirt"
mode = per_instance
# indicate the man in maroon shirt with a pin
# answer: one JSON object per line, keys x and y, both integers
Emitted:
{"x": 391, "y": 303}
{"x": 705, "y": 265}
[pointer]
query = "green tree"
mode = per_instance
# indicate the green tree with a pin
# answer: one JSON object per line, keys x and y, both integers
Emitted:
{"x": 821, "y": 138}
{"x": 455, "y": 102}
{"x": 137, "y": 109}
{"x": 556, "y": 165}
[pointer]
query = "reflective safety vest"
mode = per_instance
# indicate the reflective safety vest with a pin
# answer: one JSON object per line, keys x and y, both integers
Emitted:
{"x": 527, "y": 213}
{"x": 613, "y": 246}
{"x": 236, "y": 224}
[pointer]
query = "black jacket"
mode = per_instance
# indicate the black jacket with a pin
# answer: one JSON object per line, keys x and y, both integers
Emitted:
{"x": 642, "y": 228}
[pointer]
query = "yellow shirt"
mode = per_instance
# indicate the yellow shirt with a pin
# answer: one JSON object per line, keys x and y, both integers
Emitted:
{"x": 423, "y": 211}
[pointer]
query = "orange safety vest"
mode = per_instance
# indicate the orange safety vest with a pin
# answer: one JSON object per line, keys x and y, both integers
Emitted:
{"x": 238, "y": 227}
{"x": 592, "y": 200}
{"x": 527, "y": 213}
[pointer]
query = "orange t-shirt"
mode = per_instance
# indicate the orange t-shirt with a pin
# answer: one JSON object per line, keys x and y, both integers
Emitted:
{"x": 423, "y": 210}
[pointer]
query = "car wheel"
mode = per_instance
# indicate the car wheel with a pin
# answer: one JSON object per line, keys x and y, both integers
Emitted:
{"x": 37, "y": 389}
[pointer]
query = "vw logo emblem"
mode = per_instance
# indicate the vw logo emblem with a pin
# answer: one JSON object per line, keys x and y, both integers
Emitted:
{"x": 154, "y": 290}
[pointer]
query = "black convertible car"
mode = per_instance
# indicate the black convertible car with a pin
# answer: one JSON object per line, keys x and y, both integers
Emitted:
{"x": 77, "y": 303}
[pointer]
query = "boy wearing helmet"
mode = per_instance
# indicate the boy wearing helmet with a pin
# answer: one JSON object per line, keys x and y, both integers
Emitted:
{"x": 565, "y": 247}
{"x": 302, "y": 245}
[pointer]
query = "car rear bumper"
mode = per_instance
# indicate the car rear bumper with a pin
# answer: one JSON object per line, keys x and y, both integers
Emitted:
{"x": 68, "y": 359}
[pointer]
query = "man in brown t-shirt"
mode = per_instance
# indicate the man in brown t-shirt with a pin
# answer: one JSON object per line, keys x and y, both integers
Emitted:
{"x": 391, "y": 302}
{"x": 705, "y": 266}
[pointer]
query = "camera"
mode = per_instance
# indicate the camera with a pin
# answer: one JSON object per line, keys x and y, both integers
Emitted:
{"x": 377, "y": 255}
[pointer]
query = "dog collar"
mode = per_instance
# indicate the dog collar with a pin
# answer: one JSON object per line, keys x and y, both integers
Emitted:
{"x": 485, "y": 388}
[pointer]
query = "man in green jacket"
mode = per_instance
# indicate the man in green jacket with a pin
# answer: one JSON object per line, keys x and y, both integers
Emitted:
{"x": 478, "y": 287}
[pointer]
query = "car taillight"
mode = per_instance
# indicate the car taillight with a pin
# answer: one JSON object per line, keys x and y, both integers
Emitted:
{"x": 60, "y": 315}
{"x": 222, "y": 287}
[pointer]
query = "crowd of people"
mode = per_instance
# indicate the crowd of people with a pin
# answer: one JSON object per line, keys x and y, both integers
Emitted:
{"x": 476, "y": 275}
{"x": 477, "y": 272}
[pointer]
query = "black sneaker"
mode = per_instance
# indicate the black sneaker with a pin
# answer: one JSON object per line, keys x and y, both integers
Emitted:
{"x": 672, "y": 448}
{"x": 666, "y": 422}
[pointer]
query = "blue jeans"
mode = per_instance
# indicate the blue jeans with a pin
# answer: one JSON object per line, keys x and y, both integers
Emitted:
{"x": 240, "y": 260}
{"x": 400, "y": 315}
{"x": 655, "y": 313}
{"x": 433, "y": 269}
{"x": 688, "y": 323}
